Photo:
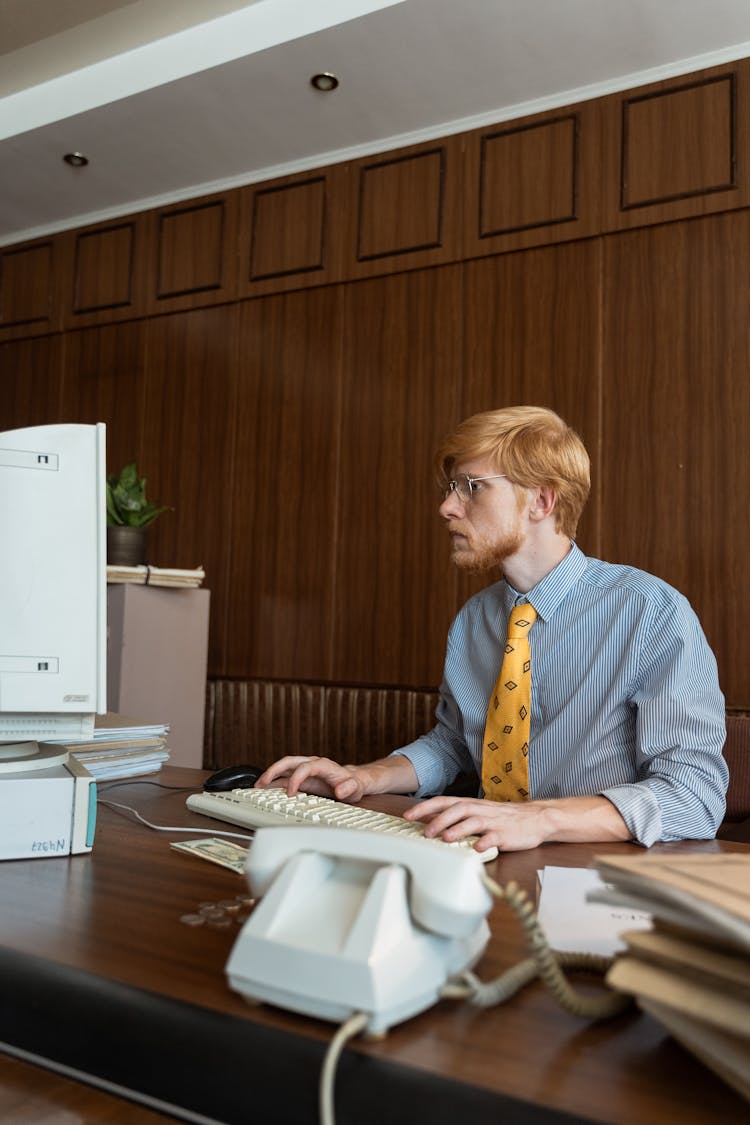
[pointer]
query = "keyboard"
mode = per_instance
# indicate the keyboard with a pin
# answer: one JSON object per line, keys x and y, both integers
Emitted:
{"x": 258, "y": 808}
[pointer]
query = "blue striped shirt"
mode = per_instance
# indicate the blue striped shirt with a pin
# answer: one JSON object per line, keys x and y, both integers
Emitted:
{"x": 625, "y": 698}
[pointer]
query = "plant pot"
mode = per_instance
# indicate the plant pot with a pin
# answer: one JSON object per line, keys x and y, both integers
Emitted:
{"x": 126, "y": 546}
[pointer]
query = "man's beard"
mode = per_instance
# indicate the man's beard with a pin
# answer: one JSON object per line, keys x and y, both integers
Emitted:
{"x": 488, "y": 556}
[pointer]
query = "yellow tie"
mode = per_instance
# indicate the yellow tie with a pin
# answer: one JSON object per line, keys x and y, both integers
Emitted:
{"x": 505, "y": 755}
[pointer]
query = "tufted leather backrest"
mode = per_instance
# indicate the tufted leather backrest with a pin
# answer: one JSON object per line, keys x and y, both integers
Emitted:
{"x": 737, "y": 754}
{"x": 260, "y": 720}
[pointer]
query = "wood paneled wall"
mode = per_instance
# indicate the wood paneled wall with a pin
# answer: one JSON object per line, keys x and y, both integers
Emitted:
{"x": 282, "y": 359}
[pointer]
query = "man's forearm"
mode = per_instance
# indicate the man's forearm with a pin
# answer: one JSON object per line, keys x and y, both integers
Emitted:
{"x": 394, "y": 774}
{"x": 580, "y": 820}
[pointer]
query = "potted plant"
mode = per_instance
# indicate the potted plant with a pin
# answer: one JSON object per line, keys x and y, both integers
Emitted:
{"x": 129, "y": 515}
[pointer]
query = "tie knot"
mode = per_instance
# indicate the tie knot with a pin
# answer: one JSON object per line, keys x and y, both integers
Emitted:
{"x": 522, "y": 617}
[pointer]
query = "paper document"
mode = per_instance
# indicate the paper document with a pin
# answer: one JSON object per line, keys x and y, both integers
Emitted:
{"x": 574, "y": 925}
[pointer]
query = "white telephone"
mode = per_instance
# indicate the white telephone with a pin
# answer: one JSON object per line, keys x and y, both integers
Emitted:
{"x": 351, "y": 921}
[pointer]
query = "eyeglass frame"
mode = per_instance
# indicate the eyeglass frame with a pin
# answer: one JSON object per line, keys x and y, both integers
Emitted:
{"x": 452, "y": 486}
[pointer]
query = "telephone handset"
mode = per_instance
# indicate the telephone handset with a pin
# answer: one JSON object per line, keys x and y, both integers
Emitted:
{"x": 446, "y": 894}
{"x": 351, "y": 921}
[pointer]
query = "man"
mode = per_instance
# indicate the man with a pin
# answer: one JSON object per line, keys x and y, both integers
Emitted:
{"x": 626, "y": 723}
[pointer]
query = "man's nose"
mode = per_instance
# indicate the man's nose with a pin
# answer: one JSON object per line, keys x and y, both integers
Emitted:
{"x": 452, "y": 506}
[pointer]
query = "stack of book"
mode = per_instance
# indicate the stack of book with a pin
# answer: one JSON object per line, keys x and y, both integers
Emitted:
{"x": 691, "y": 971}
{"x": 122, "y": 747}
{"x": 155, "y": 576}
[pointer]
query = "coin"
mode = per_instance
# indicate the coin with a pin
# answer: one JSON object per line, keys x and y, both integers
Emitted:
{"x": 192, "y": 919}
{"x": 231, "y": 905}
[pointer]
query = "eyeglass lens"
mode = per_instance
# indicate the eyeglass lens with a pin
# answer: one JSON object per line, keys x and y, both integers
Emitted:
{"x": 461, "y": 484}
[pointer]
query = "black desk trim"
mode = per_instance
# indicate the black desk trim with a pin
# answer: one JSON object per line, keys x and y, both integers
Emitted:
{"x": 191, "y": 1059}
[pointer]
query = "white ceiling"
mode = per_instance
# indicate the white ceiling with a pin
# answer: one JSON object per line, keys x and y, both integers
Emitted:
{"x": 175, "y": 98}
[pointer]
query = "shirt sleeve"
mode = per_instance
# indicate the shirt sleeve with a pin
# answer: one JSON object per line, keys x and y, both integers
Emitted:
{"x": 680, "y": 790}
{"x": 441, "y": 755}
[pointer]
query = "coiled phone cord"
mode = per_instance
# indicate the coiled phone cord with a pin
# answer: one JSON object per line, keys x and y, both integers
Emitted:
{"x": 544, "y": 963}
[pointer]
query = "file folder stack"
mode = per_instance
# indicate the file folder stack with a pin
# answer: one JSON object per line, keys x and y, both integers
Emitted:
{"x": 691, "y": 972}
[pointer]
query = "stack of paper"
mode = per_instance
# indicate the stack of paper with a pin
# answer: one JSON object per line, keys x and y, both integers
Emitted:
{"x": 691, "y": 972}
{"x": 122, "y": 747}
{"x": 155, "y": 576}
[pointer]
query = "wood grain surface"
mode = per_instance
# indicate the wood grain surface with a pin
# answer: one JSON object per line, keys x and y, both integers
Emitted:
{"x": 116, "y": 914}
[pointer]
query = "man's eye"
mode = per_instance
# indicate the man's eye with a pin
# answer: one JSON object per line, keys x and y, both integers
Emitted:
{"x": 474, "y": 485}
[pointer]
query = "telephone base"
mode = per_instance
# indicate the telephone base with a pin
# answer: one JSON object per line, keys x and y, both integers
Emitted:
{"x": 333, "y": 936}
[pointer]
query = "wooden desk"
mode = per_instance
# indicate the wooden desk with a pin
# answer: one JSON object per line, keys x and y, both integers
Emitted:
{"x": 99, "y": 975}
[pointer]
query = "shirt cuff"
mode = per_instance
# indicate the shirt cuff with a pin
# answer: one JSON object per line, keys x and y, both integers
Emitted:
{"x": 429, "y": 776}
{"x": 640, "y": 810}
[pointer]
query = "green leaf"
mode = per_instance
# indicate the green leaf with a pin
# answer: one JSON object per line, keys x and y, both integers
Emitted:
{"x": 126, "y": 500}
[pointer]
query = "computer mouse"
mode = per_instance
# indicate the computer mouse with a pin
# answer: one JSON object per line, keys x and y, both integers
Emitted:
{"x": 232, "y": 777}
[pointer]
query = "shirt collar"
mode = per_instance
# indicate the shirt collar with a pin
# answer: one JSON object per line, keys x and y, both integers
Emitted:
{"x": 547, "y": 595}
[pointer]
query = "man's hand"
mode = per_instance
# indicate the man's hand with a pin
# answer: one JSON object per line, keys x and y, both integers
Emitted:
{"x": 316, "y": 775}
{"x": 394, "y": 774}
{"x": 513, "y": 826}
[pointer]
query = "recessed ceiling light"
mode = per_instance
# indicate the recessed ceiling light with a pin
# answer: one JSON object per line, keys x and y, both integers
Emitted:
{"x": 325, "y": 81}
{"x": 76, "y": 159}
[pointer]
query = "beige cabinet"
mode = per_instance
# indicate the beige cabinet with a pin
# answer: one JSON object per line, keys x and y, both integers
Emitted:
{"x": 157, "y": 651}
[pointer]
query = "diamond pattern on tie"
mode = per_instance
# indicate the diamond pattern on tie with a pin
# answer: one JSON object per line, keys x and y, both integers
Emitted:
{"x": 509, "y": 715}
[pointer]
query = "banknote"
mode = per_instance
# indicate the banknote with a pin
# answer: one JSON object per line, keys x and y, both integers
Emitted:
{"x": 224, "y": 852}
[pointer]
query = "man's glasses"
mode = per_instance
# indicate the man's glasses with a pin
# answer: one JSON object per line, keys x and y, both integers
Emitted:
{"x": 465, "y": 486}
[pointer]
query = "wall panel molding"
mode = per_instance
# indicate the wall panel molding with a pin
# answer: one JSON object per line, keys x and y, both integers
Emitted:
{"x": 528, "y": 176}
{"x": 292, "y": 232}
{"x": 193, "y": 254}
{"x": 679, "y": 143}
{"x": 29, "y": 289}
{"x": 107, "y": 272}
{"x": 401, "y": 204}
{"x": 275, "y": 211}
{"x": 405, "y": 209}
{"x": 677, "y": 149}
{"x": 196, "y": 272}
{"x": 533, "y": 182}
{"x": 103, "y": 269}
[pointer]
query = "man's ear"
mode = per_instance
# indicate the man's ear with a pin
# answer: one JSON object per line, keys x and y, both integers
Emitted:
{"x": 543, "y": 503}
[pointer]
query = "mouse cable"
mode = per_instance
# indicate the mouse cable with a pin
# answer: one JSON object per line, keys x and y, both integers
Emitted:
{"x": 112, "y": 783}
{"x": 174, "y": 828}
{"x": 544, "y": 963}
